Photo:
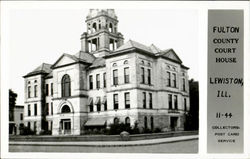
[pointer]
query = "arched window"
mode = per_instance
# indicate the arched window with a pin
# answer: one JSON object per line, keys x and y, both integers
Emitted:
{"x": 99, "y": 25}
{"x": 116, "y": 120}
{"x": 110, "y": 27}
{"x": 125, "y": 62}
{"x": 127, "y": 121}
{"x": 94, "y": 27}
{"x": 66, "y": 86}
{"x": 142, "y": 62}
{"x": 114, "y": 64}
{"x": 145, "y": 122}
{"x": 65, "y": 109}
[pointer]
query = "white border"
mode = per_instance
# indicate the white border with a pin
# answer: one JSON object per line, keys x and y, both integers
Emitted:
{"x": 201, "y": 6}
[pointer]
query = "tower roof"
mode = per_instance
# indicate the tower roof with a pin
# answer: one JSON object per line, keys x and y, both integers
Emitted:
{"x": 101, "y": 12}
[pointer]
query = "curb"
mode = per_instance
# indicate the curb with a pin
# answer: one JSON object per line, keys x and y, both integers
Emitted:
{"x": 108, "y": 144}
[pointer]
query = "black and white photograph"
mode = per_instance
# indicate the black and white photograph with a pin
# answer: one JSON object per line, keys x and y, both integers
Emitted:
{"x": 114, "y": 91}
{"x": 89, "y": 78}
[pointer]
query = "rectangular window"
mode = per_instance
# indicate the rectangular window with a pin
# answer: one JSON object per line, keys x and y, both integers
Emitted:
{"x": 35, "y": 126}
{"x": 115, "y": 77}
{"x": 149, "y": 76}
{"x": 29, "y": 110}
{"x": 98, "y": 104}
{"x": 97, "y": 81}
{"x": 175, "y": 102}
{"x": 35, "y": 90}
{"x": 51, "y": 105}
{"x": 21, "y": 116}
{"x": 35, "y": 109}
{"x": 105, "y": 106}
{"x": 47, "y": 109}
{"x": 91, "y": 108}
{"x": 47, "y": 89}
{"x": 183, "y": 84}
{"x": 170, "y": 101}
{"x": 185, "y": 104}
{"x": 51, "y": 89}
{"x": 126, "y": 75}
{"x": 90, "y": 104}
{"x": 29, "y": 92}
{"x": 150, "y": 101}
{"x": 51, "y": 125}
{"x": 90, "y": 82}
{"x": 127, "y": 100}
{"x": 174, "y": 80}
{"x": 104, "y": 80}
{"x": 142, "y": 75}
{"x": 116, "y": 104}
{"x": 144, "y": 100}
{"x": 168, "y": 79}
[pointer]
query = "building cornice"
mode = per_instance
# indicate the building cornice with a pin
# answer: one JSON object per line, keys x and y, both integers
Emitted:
{"x": 69, "y": 64}
{"x": 142, "y": 52}
{"x": 150, "y": 89}
{"x": 70, "y": 97}
{"x": 100, "y": 15}
{"x": 27, "y": 102}
{"x": 34, "y": 74}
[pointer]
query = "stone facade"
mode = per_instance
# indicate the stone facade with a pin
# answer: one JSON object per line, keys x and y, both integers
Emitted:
{"x": 108, "y": 81}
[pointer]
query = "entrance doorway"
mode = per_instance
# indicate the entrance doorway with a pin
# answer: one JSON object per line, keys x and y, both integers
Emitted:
{"x": 173, "y": 123}
{"x": 66, "y": 126}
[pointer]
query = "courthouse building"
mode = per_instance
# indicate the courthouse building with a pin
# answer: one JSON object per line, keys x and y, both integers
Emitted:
{"x": 107, "y": 81}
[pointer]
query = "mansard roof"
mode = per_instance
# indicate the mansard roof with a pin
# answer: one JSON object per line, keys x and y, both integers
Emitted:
{"x": 44, "y": 68}
{"x": 151, "y": 50}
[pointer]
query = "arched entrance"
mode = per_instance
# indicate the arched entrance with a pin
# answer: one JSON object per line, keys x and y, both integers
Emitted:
{"x": 65, "y": 123}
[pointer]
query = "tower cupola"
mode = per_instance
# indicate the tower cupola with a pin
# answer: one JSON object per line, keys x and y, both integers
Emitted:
{"x": 102, "y": 36}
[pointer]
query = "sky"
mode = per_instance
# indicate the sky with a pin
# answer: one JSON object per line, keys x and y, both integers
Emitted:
{"x": 42, "y": 35}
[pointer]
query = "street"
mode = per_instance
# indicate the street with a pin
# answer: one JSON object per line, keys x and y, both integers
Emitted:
{"x": 190, "y": 146}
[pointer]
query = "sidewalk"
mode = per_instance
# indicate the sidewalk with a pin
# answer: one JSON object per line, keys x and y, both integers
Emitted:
{"x": 108, "y": 143}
